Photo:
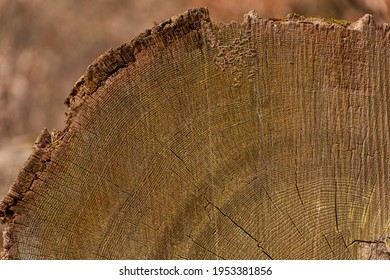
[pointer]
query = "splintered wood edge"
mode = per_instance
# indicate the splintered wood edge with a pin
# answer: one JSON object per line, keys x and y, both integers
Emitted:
{"x": 109, "y": 63}
{"x": 113, "y": 60}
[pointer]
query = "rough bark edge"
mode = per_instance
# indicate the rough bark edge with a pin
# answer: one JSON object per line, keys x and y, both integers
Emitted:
{"x": 109, "y": 63}
{"x": 112, "y": 60}
{"x": 35, "y": 164}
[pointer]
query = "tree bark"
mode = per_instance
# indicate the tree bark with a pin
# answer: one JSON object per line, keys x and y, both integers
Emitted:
{"x": 198, "y": 140}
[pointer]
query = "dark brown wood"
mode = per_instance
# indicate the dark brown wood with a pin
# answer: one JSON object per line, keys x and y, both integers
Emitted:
{"x": 267, "y": 139}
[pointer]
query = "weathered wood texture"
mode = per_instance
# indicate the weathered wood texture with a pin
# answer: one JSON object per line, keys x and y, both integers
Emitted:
{"x": 201, "y": 140}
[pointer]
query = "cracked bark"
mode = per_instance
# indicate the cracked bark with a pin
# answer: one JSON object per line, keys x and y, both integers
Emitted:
{"x": 267, "y": 139}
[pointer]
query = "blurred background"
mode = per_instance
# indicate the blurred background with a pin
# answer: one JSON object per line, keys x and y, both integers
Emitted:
{"x": 45, "y": 46}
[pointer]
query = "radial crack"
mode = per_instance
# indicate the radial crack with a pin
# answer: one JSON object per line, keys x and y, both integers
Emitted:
{"x": 204, "y": 248}
{"x": 330, "y": 246}
{"x": 240, "y": 227}
{"x": 296, "y": 177}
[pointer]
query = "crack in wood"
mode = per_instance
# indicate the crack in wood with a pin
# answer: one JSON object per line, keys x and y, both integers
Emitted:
{"x": 240, "y": 227}
{"x": 205, "y": 249}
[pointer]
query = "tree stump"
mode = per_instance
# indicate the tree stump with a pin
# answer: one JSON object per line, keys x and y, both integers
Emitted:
{"x": 267, "y": 139}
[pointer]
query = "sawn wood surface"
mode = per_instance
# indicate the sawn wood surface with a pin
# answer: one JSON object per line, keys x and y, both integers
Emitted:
{"x": 267, "y": 139}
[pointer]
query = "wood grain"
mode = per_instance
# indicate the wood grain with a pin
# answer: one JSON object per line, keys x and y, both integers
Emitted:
{"x": 267, "y": 139}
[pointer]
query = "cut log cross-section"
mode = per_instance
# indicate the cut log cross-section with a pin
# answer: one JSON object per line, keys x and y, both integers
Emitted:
{"x": 198, "y": 140}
